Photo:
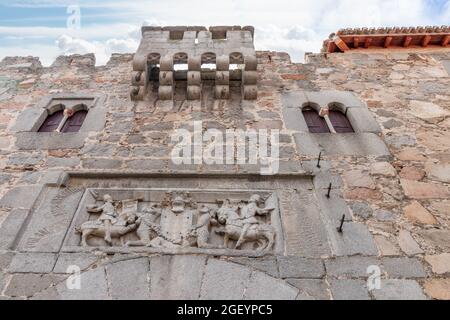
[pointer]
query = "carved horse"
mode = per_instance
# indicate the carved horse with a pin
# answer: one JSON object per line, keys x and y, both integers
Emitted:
{"x": 262, "y": 233}
{"x": 97, "y": 229}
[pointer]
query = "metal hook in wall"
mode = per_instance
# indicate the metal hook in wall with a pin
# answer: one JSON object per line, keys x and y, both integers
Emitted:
{"x": 319, "y": 159}
{"x": 340, "y": 228}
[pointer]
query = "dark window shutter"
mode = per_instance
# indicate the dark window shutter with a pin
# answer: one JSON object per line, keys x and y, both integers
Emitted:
{"x": 52, "y": 122}
{"x": 74, "y": 123}
{"x": 340, "y": 122}
{"x": 316, "y": 124}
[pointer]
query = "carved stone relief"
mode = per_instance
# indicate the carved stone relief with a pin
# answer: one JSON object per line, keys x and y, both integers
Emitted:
{"x": 163, "y": 219}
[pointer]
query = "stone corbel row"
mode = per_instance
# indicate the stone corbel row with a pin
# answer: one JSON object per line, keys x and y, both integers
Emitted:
{"x": 194, "y": 79}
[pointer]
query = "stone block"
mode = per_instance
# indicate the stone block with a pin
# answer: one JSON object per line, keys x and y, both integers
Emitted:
{"x": 29, "y": 120}
{"x": 362, "y": 120}
{"x": 54, "y": 178}
{"x": 294, "y": 120}
{"x": 224, "y": 281}
{"x": 355, "y": 239}
{"x": 403, "y": 268}
{"x": 349, "y": 290}
{"x": 10, "y": 228}
{"x": 81, "y": 260}
{"x": 399, "y": 290}
{"x": 436, "y": 237}
{"x": 27, "y": 285}
{"x": 350, "y": 267}
{"x": 351, "y": 144}
{"x": 440, "y": 263}
{"x": 438, "y": 288}
{"x": 263, "y": 287}
{"x": 93, "y": 286}
{"x": 178, "y": 277}
{"x": 267, "y": 265}
{"x": 49, "y": 140}
{"x": 408, "y": 244}
{"x": 361, "y": 209}
{"x": 438, "y": 172}
{"x": 32, "y": 262}
{"x": 154, "y": 164}
{"x": 418, "y": 214}
{"x": 422, "y": 190}
{"x": 128, "y": 279}
{"x": 311, "y": 289}
{"x": 446, "y": 64}
{"x": 21, "y": 197}
{"x": 101, "y": 163}
{"x": 301, "y": 268}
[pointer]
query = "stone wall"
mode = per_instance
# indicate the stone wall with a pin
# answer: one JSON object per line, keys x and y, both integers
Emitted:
{"x": 401, "y": 198}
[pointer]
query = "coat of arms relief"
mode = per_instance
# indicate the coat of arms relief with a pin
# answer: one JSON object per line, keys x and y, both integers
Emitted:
{"x": 161, "y": 219}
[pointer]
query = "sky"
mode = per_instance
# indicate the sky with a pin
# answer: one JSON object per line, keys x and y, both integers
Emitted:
{"x": 49, "y": 28}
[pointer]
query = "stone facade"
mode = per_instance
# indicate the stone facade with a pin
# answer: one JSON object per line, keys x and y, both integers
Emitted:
{"x": 390, "y": 178}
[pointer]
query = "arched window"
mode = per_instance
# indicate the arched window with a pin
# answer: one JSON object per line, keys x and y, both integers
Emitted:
{"x": 316, "y": 124}
{"x": 74, "y": 123}
{"x": 52, "y": 122}
{"x": 340, "y": 122}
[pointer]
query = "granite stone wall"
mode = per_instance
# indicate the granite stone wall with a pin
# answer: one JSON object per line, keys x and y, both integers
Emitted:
{"x": 396, "y": 201}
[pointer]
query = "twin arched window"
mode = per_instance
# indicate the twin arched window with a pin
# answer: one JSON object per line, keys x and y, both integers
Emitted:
{"x": 318, "y": 124}
{"x": 72, "y": 124}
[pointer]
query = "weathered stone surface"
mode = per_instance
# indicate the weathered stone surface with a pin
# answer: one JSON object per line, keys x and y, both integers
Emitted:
{"x": 421, "y": 190}
{"x": 386, "y": 247}
{"x": 403, "y": 268}
{"x": 81, "y": 260}
{"x": 224, "y": 281}
{"x": 349, "y": 290}
{"x": 180, "y": 277}
{"x": 438, "y": 288}
{"x": 21, "y": 197}
{"x": 26, "y": 285}
{"x": 93, "y": 286}
{"x": 263, "y": 287}
{"x": 355, "y": 239}
{"x": 399, "y": 290}
{"x": 357, "y": 178}
{"x": 350, "y": 267}
{"x": 436, "y": 237}
{"x": 440, "y": 263}
{"x": 312, "y": 289}
{"x": 383, "y": 169}
{"x": 410, "y": 154}
{"x": 296, "y": 267}
{"x": 128, "y": 279}
{"x": 408, "y": 244}
{"x": 32, "y": 262}
{"x": 438, "y": 172}
{"x": 428, "y": 111}
{"x": 417, "y": 213}
{"x": 361, "y": 209}
{"x": 11, "y": 226}
{"x": 363, "y": 194}
{"x": 267, "y": 265}
{"x": 101, "y": 163}
{"x": 384, "y": 215}
{"x": 412, "y": 173}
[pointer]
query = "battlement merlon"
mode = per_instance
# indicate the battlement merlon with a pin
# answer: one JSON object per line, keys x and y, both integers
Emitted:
{"x": 194, "y": 45}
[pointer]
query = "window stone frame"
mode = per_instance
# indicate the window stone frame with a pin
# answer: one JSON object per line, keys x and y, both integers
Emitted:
{"x": 30, "y": 120}
{"x": 364, "y": 141}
